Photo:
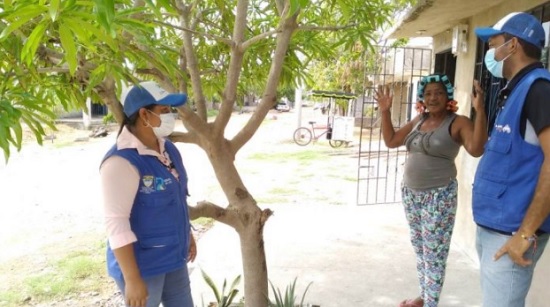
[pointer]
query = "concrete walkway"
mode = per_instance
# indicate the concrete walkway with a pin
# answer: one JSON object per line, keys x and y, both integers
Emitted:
{"x": 353, "y": 256}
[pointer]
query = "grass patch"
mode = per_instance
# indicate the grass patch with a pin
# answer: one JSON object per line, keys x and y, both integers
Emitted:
{"x": 302, "y": 156}
{"x": 76, "y": 273}
{"x": 272, "y": 199}
{"x": 204, "y": 221}
{"x": 10, "y": 298}
{"x": 277, "y": 195}
{"x": 212, "y": 113}
{"x": 350, "y": 178}
{"x": 346, "y": 177}
{"x": 283, "y": 191}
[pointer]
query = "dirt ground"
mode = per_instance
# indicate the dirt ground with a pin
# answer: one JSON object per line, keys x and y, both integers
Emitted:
{"x": 51, "y": 202}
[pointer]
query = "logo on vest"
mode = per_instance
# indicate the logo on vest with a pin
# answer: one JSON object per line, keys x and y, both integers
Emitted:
{"x": 159, "y": 184}
{"x": 147, "y": 181}
{"x": 505, "y": 129}
{"x": 152, "y": 184}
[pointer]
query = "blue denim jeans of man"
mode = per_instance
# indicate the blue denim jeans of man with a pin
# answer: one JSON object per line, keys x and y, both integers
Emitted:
{"x": 504, "y": 283}
{"x": 172, "y": 289}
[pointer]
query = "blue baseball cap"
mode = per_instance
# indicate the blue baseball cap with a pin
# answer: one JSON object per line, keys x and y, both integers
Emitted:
{"x": 148, "y": 93}
{"x": 518, "y": 24}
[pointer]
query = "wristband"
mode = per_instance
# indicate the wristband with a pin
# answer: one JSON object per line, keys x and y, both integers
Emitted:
{"x": 531, "y": 239}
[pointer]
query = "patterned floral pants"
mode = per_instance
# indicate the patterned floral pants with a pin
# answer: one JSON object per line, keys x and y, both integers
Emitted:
{"x": 431, "y": 217}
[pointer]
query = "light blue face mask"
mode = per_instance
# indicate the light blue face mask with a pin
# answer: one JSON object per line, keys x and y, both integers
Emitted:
{"x": 493, "y": 66}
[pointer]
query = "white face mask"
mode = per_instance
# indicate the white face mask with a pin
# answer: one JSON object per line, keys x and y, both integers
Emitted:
{"x": 167, "y": 124}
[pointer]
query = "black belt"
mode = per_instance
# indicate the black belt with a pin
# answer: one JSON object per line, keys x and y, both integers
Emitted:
{"x": 539, "y": 232}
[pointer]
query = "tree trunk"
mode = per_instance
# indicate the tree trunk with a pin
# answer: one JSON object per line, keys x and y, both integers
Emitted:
{"x": 242, "y": 212}
{"x": 253, "y": 254}
{"x": 247, "y": 218}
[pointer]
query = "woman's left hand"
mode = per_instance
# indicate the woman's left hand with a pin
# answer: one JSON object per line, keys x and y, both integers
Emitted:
{"x": 478, "y": 97}
{"x": 192, "y": 254}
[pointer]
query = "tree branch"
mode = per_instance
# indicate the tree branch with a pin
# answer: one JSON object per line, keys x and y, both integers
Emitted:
{"x": 193, "y": 70}
{"x": 214, "y": 37}
{"x": 234, "y": 70}
{"x": 149, "y": 71}
{"x": 46, "y": 70}
{"x": 107, "y": 91}
{"x": 49, "y": 55}
{"x": 268, "y": 98}
{"x": 194, "y": 122}
{"x": 258, "y": 38}
{"x": 280, "y": 4}
{"x": 208, "y": 209}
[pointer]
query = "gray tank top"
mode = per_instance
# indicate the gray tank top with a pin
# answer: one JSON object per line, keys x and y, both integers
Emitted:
{"x": 431, "y": 155}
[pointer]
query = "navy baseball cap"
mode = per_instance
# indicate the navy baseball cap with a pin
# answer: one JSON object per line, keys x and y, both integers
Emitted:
{"x": 148, "y": 93}
{"x": 520, "y": 25}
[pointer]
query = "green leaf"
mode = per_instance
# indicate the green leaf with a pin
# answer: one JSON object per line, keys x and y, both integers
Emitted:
{"x": 18, "y": 135}
{"x": 68, "y": 3}
{"x": 67, "y": 41}
{"x": 97, "y": 75}
{"x": 22, "y": 17}
{"x": 100, "y": 36}
{"x": 54, "y": 9}
{"x": 80, "y": 32}
{"x": 7, "y": 4}
{"x": 30, "y": 47}
{"x": 106, "y": 14}
{"x": 4, "y": 143}
{"x": 294, "y": 7}
{"x": 212, "y": 285}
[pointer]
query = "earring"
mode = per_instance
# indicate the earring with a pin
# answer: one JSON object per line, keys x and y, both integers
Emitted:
{"x": 420, "y": 107}
{"x": 451, "y": 106}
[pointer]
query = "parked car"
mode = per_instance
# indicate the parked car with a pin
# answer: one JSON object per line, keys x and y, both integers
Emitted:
{"x": 282, "y": 106}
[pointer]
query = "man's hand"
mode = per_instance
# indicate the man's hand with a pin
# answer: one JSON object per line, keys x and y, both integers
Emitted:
{"x": 515, "y": 247}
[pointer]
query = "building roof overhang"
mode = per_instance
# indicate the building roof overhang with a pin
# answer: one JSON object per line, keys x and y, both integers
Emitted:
{"x": 431, "y": 17}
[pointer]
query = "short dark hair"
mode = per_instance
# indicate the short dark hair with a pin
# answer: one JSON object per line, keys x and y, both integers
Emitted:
{"x": 530, "y": 50}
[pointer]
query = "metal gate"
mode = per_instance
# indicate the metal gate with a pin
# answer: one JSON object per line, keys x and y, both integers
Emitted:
{"x": 380, "y": 169}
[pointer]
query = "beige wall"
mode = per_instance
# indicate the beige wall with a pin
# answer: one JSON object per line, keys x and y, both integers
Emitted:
{"x": 464, "y": 235}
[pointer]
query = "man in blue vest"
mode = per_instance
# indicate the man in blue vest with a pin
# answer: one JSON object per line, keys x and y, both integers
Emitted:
{"x": 511, "y": 193}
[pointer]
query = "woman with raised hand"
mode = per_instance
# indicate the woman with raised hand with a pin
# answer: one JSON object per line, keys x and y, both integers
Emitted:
{"x": 429, "y": 189}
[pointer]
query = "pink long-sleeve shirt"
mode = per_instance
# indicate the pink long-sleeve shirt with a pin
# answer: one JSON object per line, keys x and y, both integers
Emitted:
{"x": 120, "y": 183}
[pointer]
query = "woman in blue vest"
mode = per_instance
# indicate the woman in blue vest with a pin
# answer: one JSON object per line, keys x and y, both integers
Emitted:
{"x": 429, "y": 190}
{"x": 145, "y": 188}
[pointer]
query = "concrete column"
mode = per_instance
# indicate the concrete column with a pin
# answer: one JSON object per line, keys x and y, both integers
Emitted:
{"x": 87, "y": 114}
{"x": 298, "y": 106}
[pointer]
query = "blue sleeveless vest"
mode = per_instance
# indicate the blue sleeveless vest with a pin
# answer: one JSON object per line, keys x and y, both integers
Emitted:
{"x": 159, "y": 216}
{"x": 508, "y": 171}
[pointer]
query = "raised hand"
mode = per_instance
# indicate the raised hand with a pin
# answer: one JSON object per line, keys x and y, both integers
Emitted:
{"x": 383, "y": 98}
{"x": 478, "y": 97}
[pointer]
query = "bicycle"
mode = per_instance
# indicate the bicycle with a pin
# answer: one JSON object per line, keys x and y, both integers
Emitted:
{"x": 304, "y": 135}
